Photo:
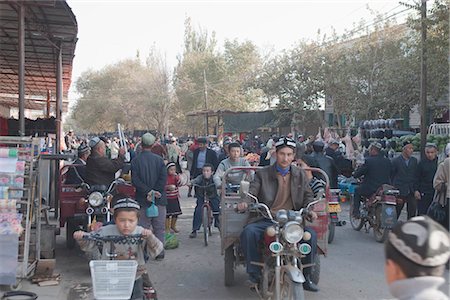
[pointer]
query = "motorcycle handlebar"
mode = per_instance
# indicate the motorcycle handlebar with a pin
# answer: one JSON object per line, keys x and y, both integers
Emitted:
{"x": 123, "y": 239}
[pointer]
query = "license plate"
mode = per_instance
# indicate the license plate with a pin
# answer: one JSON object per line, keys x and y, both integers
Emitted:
{"x": 334, "y": 208}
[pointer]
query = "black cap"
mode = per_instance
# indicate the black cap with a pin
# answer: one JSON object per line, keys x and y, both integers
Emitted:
{"x": 202, "y": 140}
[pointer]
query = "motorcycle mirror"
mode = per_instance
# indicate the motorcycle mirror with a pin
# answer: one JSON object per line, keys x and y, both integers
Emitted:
{"x": 244, "y": 187}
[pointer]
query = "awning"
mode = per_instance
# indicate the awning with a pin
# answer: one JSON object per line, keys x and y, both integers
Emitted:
{"x": 49, "y": 24}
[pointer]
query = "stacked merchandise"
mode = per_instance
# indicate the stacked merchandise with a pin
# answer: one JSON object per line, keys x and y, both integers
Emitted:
{"x": 17, "y": 212}
{"x": 11, "y": 188}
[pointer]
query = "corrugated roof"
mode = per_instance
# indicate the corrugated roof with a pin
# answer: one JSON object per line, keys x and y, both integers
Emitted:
{"x": 47, "y": 23}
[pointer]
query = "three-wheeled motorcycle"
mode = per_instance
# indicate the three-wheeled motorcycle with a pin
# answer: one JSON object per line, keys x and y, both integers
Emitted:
{"x": 79, "y": 203}
{"x": 282, "y": 269}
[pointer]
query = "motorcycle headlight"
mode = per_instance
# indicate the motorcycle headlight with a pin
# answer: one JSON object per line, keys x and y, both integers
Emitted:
{"x": 95, "y": 199}
{"x": 292, "y": 232}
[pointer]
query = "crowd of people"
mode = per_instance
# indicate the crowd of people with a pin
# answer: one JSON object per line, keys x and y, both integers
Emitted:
{"x": 156, "y": 169}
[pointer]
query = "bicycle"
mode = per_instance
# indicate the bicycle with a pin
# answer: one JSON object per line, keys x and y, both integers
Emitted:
{"x": 207, "y": 213}
{"x": 113, "y": 277}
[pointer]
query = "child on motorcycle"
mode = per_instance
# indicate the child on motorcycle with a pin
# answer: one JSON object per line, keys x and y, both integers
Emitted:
{"x": 211, "y": 182}
{"x": 416, "y": 254}
{"x": 126, "y": 216}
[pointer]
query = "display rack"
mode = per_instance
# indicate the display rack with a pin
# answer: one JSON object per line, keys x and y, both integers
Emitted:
{"x": 24, "y": 197}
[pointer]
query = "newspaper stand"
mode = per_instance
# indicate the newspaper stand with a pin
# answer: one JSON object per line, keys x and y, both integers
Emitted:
{"x": 18, "y": 198}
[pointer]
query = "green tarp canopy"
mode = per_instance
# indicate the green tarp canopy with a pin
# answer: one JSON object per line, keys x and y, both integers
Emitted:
{"x": 249, "y": 121}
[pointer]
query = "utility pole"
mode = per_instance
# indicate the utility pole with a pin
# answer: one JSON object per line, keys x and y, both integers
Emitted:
{"x": 423, "y": 81}
{"x": 206, "y": 104}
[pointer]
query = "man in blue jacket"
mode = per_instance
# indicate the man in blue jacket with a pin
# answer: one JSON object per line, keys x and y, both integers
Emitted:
{"x": 376, "y": 171}
{"x": 149, "y": 175}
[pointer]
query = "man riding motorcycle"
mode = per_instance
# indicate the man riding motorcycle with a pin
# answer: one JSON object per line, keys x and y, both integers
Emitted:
{"x": 100, "y": 170}
{"x": 376, "y": 171}
{"x": 280, "y": 186}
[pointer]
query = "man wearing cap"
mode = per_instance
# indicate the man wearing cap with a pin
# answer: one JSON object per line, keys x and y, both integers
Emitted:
{"x": 100, "y": 170}
{"x": 326, "y": 163}
{"x": 202, "y": 155}
{"x": 77, "y": 172}
{"x": 416, "y": 254}
{"x": 279, "y": 186}
{"x": 376, "y": 171}
{"x": 149, "y": 175}
{"x": 404, "y": 178}
{"x": 426, "y": 170}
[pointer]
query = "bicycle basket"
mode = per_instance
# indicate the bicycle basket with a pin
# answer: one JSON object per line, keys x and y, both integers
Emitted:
{"x": 113, "y": 279}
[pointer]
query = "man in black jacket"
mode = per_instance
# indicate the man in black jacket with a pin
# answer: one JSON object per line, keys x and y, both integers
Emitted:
{"x": 77, "y": 172}
{"x": 426, "y": 169}
{"x": 202, "y": 155}
{"x": 376, "y": 171}
{"x": 404, "y": 178}
{"x": 149, "y": 175}
{"x": 326, "y": 163}
{"x": 100, "y": 170}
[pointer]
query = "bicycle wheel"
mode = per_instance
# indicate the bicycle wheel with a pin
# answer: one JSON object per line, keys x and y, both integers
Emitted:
{"x": 205, "y": 222}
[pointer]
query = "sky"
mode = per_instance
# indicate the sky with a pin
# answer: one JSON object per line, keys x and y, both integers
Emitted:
{"x": 112, "y": 30}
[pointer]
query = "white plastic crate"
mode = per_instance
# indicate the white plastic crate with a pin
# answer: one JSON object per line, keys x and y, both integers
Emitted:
{"x": 113, "y": 279}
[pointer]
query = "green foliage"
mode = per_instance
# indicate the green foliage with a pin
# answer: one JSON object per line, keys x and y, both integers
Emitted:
{"x": 226, "y": 76}
{"x": 136, "y": 95}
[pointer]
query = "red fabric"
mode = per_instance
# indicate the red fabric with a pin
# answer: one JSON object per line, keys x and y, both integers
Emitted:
{"x": 173, "y": 180}
{"x": 159, "y": 150}
{"x": 3, "y": 126}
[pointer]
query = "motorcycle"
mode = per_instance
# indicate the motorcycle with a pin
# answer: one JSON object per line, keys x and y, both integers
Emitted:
{"x": 95, "y": 205}
{"x": 334, "y": 207}
{"x": 284, "y": 245}
{"x": 377, "y": 212}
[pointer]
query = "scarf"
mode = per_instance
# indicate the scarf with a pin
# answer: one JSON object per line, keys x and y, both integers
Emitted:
{"x": 282, "y": 171}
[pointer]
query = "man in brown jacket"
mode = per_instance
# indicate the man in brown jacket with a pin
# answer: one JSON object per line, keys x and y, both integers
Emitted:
{"x": 280, "y": 186}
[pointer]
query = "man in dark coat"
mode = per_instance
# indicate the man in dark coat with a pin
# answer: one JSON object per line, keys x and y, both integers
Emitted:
{"x": 149, "y": 176}
{"x": 77, "y": 172}
{"x": 376, "y": 171}
{"x": 100, "y": 170}
{"x": 326, "y": 163}
{"x": 426, "y": 169}
{"x": 404, "y": 178}
{"x": 202, "y": 155}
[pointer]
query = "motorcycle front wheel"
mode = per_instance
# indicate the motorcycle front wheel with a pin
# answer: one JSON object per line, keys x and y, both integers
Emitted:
{"x": 291, "y": 290}
{"x": 229, "y": 266}
{"x": 379, "y": 233}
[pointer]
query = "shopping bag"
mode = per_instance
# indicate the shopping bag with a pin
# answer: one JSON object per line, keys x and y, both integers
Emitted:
{"x": 171, "y": 241}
